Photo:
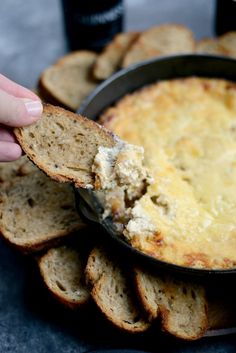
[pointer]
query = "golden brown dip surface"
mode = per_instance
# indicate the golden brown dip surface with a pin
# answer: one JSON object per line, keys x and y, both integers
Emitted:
{"x": 188, "y": 130}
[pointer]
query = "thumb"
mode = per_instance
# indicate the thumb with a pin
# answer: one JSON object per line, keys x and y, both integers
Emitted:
{"x": 17, "y": 112}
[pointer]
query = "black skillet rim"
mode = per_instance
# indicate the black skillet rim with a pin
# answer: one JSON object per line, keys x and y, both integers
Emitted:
{"x": 177, "y": 66}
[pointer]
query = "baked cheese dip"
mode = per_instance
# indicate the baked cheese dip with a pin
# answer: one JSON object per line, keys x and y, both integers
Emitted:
{"x": 121, "y": 178}
{"x": 187, "y": 127}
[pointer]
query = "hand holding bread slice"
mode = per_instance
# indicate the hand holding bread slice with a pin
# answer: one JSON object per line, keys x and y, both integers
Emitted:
{"x": 64, "y": 145}
{"x": 71, "y": 148}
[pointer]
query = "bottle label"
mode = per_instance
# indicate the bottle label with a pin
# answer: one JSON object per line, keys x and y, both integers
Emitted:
{"x": 91, "y": 24}
{"x": 100, "y": 18}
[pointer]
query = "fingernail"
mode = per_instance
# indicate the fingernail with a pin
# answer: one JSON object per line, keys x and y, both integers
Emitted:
{"x": 34, "y": 108}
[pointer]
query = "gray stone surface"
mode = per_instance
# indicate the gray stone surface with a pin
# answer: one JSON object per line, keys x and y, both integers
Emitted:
{"x": 195, "y": 14}
{"x": 31, "y": 38}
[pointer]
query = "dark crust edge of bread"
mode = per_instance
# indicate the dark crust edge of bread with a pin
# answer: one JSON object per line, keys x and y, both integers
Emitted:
{"x": 94, "y": 285}
{"x": 47, "y": 243}
{"x": 46, "y": 93}
{"x": 222, "y": 51}
{"x": 73, "y": 305}
{"x": 163, "y": 314}
{"x": 152, "y": 316}
{"x": 66, "y": 302}
{"x": 89, "y": 278}
{"x": 56, "y": 176}
{"x": 111, "y": 320}
{"x": 62, "y": 60}
{"x": 49, "y": 98}
{"x": 229, "y": 33}
{"x": 124, "y": 63}
{"x": 95, "y": 67}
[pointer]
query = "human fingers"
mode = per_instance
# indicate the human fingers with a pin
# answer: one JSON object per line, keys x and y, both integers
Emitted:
{"x": 18, "y": 111}
{"x": 7, "y": 135}
{"x": 16, "y": 90}
{"x": 9, "y": 151}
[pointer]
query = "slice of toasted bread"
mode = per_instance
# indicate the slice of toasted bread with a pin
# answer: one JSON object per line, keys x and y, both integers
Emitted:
{"x": 181, "y": 305}
{"x": 62, "y": 270}
{"x": 35, "y": 211}
{"x": 98, "y": 263}
{"x": 112, "y": 293}
{"x": 9, "y": 170}
{"x": 165, "y": 39}
{"x": 111, "y": 57}
{"x": 69, "y": 81}
{"x": 228, "y": 42}
{"x": 64, "y": 144}
{"x": 211, "y": 46}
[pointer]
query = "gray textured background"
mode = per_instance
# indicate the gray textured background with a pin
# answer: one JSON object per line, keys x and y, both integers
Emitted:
{"x": 31, "y": 33}
{"x": 31, "y": 38}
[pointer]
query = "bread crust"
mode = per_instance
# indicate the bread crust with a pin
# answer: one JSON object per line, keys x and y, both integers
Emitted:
{"x": 108, "y": 138}
{"x": 60, "y": 296}
{"x": 10, "y": 170}
{"x": 157, "y": 41}
{"x": 211, "y": 46}
{"x": 161, "y": 299}
{"x": 101, "y": 272}
{"x": 109, "y": 61}
{"x": 50, "y": 95}
{"x": 22, "y": 204}
{"x": 228, "y": 42}
{"x": 37, "y": 247}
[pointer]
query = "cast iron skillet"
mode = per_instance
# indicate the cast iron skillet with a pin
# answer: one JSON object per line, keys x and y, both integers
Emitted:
{"x": 128, "y": 80}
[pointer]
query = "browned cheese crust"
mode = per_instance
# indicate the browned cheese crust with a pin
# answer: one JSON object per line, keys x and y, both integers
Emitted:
{"x": 187, "y": 129}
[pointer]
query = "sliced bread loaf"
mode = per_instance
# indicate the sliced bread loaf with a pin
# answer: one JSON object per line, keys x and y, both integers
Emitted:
{"x": 181, "y": 305}
{"x": 165, "y": 39}
{"x": 9, "y": 170}
{"x": 64, "y": 144}
{"x": 228, "y": 42}
{"x": 69, "y": 81}
{"x": 62, "y": 270}
{"x": 112, "y": 293}
{"x": 36, "y": 211}
{"x": 110, "y": 59}
{"x": 211, "y": 46}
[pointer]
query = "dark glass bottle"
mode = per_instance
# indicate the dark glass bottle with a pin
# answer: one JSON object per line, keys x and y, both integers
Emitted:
{"x": 91, "y": 24}
{"x": 225, "y": 16}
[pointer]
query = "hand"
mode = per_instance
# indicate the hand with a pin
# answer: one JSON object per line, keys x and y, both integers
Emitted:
{"x": 18, "y": 107}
